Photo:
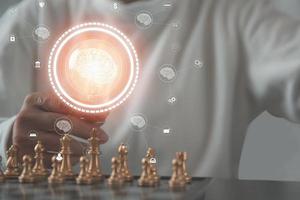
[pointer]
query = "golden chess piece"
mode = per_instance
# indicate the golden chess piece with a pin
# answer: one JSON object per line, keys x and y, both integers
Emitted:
{"x": 12, "y": 164}
{"x": 145, "y": 179}
{"x": 39, "y": 169}
{"x": 182, "y": 156}
{"x": 115, "y": 179}
{"x": 2, "y": 177}
{"x": 66, "y": 166}
{"x": 55, "y": 176}
{"x": 123, "y": 169}
{"x": 84, "y": 177}
{"x": 177, "y": 180}
{"x": 150, "y": 155}
{"x": 26, "y": 175}
{"x": 94, "y": 168}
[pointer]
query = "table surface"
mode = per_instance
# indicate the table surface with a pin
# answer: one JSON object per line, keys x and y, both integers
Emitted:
{"x": 200, "y": 189}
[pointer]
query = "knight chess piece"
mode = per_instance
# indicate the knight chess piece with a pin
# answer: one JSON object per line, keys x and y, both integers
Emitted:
{"x": 39, "y": 169}
{"x": 177, "y": 180}
{"x": 2, "y": 177}
{"x": 115, "y": 179}
{"x": 94, "y": 168}
{"x": 182, "y": 156}
{"x": 55, "y": 176}
{"x": 66, "y": 166}
{"x": 124, "y": 169}
{"x": 12, "y": 164}
{"x": 145, "y": 179}
{"x": 26, "y": 175}
{"x": 150, "y": 155}
{"x": 84, "y": 177}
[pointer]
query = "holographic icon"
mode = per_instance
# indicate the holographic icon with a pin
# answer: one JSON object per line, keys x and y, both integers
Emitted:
{"x": 63, "y": 126}
{"x": 41, "y": 3}
{"x": 138, "y": 122}
{"x": 37, "y": 64}
{"x": 115, "y": 6}
{"x": 152, "y": 160}
{"x": 172, "y": 100}
{"x": 167, "y": 131}
{"x": 12, "y": 38}
{"x": 33, "y": 135}
{"x": 198, "y": 64}
{"x": 175, "y": 25}
{"x": 144, "y": 19}
{"x": 167, "y": 73}
{"x": 12, "y": 11}
{"x": 59, "y": 157}
{"x": 40, "y": 101}
{"x": 41, "y": 33}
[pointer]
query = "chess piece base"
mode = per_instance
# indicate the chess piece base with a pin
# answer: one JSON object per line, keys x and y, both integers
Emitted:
{"x": 84, "y": 180}
{"x": 55, "y": 180}
{"x": 23, "y": 179}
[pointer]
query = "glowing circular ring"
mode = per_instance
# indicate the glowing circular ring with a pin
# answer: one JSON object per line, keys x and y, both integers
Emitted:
{"x": 103, "y": 28}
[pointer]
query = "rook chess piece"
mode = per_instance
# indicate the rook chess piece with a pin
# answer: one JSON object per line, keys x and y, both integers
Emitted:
{"x": 39, "y": 168}
{"x": 94, "y": 168}
{"x": 26, "y": 175}
{"x": 55, "y": 176}
{"x": 177, "y": 180}
{"x": 12, "y": 165}
{"x": 124, "y": 170}
{"x": 115, "y": 179}
{"x": 66, "y": 166}
{"x": 145, "y": 178}
{"x": 84, "y": 177}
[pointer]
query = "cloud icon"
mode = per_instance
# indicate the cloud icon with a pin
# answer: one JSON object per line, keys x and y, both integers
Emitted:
{"x": 138, "y": 122}
{"x": 167, "y": 73}
{"x": 64, "y": 126}
{"x": 42, "y": 33}
{"x": 144, "y": 19}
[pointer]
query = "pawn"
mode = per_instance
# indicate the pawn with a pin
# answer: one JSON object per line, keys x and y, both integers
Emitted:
{"x": 150, "y": 155}
{"x": 55, "y": 177}
{"x": 145, "y": 178}
{"x": 39, "y": 169}
{"x": 83, "y": 177}
{"x": 124, "y": 170}
{"x": 115, "y": 179}
{"x": 176, "y": 181}
{"x": 2, "y": 177}
{"x": 12, "y": 164}
{"x": 26, "y": 175}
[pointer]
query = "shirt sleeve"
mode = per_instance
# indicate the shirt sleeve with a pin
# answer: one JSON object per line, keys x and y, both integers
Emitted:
{"x": 272, "y": 45}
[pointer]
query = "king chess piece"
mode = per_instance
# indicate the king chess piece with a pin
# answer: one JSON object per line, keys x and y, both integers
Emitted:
{"x": 66, "y": 166}
{"x": 26, "y": 175}
{"x": 145, "y": 179}
{"x": 55, "y": 176}
{"x": 94, "y": 168}
{"x": 150, "y": 155}
{"x": 177, "y": 180}
{"x": 84, "y": 177}
{"x": 39, "y": 169}
{"x": 124, "y": 169}
{"x": 12, "y": 164}
{"x": 115, "y": 179}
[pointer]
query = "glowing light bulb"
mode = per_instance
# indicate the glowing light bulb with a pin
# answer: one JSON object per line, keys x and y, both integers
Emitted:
{"x": 93, "y": 65}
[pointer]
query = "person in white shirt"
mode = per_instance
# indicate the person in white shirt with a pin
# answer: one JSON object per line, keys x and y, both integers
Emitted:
{"x": 232, "y": 59}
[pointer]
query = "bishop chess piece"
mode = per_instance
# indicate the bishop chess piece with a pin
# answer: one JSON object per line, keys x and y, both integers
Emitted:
{"x": 12, "y": 164}
{"x": 115, "y": 179}
{"x": 84, "y": 177}
{"x": 2, "y": 177}
{"x": 182, "y": 156}
{"x": 55, "y": 176}
{"x": 26, "y": 175}
{"x": 152, "y": 169}
{"x": 94, "y": 168}
{"x": 145, "y": 179}
{"x": 39, "y": 169}
{"x": 123, "y": 169}
{"x": 66, "y": 166}
{"x": 177, "y": 180}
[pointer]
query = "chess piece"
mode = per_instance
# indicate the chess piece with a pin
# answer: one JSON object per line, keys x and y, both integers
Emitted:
{"x": 182, "y": 156}
{"x": 150, "y": 155}
{"x": 55, "y": 176}
{"x": 123, "y": 169}
{"x": 84, "y": 177}
{"x": 66, "y": 167}
{"x": 94, "y": 168}
{"x": 12, "y": 165}
{"x": 145, "y": 179}
{"x": 39, "y": 169}
{"x": 115, "y": 178}
{"x": 26, "y": 175}
{"x": 177, "y": 180}
{"x": 2, "y": 177}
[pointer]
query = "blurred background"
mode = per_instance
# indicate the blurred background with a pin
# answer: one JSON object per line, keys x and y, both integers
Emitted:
{"x": 272, "y": 146}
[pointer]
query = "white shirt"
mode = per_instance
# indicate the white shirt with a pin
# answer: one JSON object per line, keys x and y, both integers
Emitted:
{"x": 251, "y": 63}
